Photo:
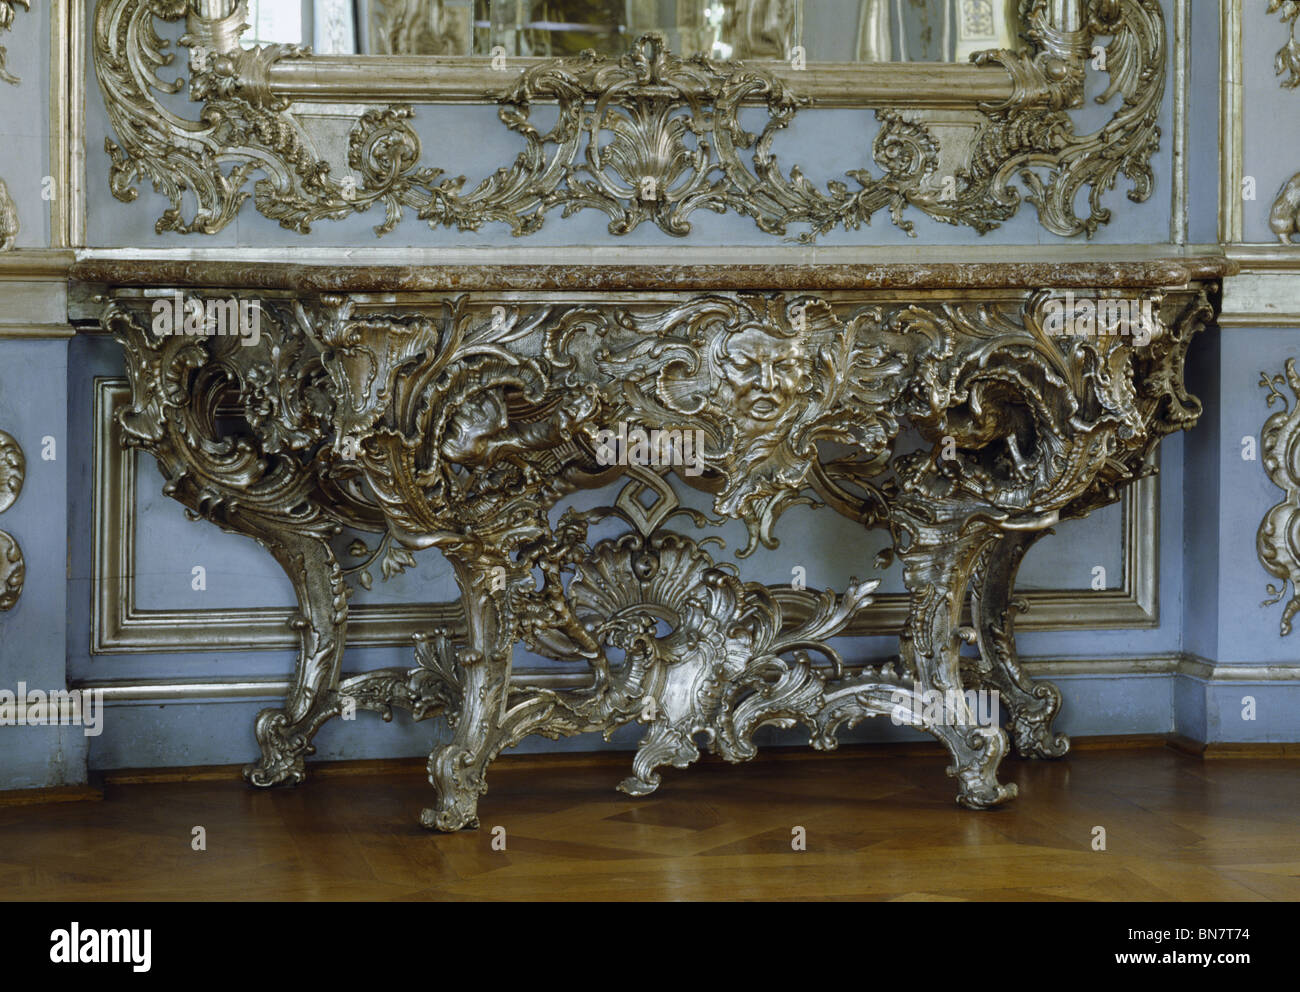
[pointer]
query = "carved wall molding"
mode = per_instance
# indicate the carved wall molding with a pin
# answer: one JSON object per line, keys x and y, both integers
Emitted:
{"x": 120, "y": 625}
{"x": 13, "y": 572}
{"x": 457, "y": 422}
{"x": 646, "y": 138}
{"x": 1278, "y": 539}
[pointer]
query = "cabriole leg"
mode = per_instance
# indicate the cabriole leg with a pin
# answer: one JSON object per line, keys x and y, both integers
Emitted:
{"x": 457, "y": 771}
{"x": 285, "y": 735}
{"x": 1032, "y": 705}
{"x": 938, "y": 571}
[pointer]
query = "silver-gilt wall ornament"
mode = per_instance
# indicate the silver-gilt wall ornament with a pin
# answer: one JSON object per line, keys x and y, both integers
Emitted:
{"x": 461, "y": 422}
{"x": 13, "y": 572}
{"x": 648, "y": 137}
{"x": 6, "y": 22}
{"x": 1278, "y": 538}
{"x": 1284, "y": 220}
{"x": 13, "y": 466}
{"x": 9, "y": 226}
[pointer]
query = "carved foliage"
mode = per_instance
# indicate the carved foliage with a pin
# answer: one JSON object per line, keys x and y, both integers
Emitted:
{"x": 1284, "y": 219}
{"x": 6, "y": 22}
{"x": 8, "y": 209}
{"x": 13, "y": 572}
{"x": 648, "y": 137}
{"x": 1278, "y": 538}
{"x": 1287, "y": 62}
{"x": 461, "y": 425}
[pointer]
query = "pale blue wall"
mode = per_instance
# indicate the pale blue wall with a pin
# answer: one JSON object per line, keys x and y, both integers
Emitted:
{"x": 33, "y": 407}
{"x": 25, "y": 126}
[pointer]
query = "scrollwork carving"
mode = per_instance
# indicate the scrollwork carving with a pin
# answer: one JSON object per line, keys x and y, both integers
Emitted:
{"x": 13, "y": 470}
{"x": 9, "y": 224}
{"x": 13, "y": 571}
{"x": 6, "y": 22}
{"x": 1287, "y": 62}
{"x": 648, "y": 137}
{"x": 1284, "y": 219}
{"x": 461, "y": 424}
{"x": 1278, "y": 538}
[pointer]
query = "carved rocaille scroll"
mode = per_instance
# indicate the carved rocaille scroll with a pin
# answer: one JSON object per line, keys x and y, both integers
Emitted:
{"x": 460, "y": 422}
{"x": 6, "y": 21}
{"x": 648, "y": 137}
{"x": 1284, "y": 219}
{"x": 9, "y": 224}
{"x": 13, "y": 570}
{"x": 1278, "y": 538}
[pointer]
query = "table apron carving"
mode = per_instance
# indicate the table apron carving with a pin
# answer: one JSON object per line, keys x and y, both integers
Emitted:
{"x": 461, "y": 422}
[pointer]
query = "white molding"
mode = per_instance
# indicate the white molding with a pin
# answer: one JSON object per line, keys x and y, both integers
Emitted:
{"x": 34, "y": 293}
{"x": 119, "y": 626}
{"x": 1232, "y": 99}
{"x": 686, "y": 254}
{"x": 1203, "y": 670}
{"x": 145, "y": 691}
{"x": 1262, "y": 298}
{"x": 1179, "y": 214}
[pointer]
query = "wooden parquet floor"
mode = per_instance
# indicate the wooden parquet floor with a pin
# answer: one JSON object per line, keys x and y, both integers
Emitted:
{"x": 879, "y": 826}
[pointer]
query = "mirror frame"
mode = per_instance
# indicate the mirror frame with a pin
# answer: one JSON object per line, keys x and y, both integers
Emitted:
{"x": 963, "y": 144}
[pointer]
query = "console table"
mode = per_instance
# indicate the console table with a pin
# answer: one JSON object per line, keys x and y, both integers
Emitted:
{"x": 455, "y": 408}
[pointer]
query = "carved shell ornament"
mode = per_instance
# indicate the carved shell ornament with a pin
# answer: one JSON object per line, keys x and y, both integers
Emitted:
{"x": 648, "y": 137}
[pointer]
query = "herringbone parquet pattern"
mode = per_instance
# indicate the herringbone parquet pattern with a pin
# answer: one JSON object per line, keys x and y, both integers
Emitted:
{"x": 879, "y": 826}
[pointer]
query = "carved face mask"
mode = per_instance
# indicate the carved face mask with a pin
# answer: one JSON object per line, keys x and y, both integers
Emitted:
{"x": 763, "y": 375}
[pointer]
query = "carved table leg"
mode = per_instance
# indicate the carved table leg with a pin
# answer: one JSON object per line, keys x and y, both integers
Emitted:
{"x": 1032, "y": 705}
{"x": 284, "y": 735}
{"x": 938, "y": 570}
{"x": 457, "y": 770}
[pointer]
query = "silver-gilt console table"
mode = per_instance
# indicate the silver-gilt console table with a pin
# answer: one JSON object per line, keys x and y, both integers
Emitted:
{"x": 436, "y": 408}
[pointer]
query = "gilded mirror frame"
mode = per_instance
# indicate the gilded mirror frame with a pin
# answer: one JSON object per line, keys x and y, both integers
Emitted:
{"x": 646, "y": 138}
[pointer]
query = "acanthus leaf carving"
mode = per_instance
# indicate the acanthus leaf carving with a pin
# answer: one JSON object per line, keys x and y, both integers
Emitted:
{"x": 1284, "y": 218}
{"x": 460, "y": 423}
{"x": 1278, "y": 538}
{"x": 646, "y": 137}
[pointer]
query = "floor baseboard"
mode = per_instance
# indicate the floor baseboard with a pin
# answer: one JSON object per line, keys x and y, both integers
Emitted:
{"x": 569, "y": 759}
{"x": 57, "y": 794}
{"x": 1228, "y": 749}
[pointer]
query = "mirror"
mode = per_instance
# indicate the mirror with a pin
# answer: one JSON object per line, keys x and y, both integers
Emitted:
{"x": 826, "y": 30}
